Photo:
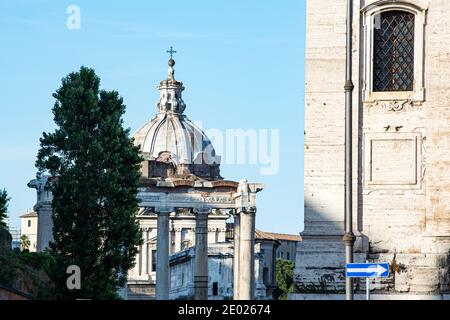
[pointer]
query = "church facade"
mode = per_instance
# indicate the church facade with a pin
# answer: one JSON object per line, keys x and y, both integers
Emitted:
{"x": 401, "y": 147}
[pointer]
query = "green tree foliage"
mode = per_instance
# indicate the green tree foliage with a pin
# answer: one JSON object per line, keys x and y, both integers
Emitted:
{"x": 24, "y": 243}
{"x": 94, "y": 169}
{"x": 38, "y": 260}
{"x": 285, "y": 277}
{"x": 3, "y": 207}
{"x": 27, "y": 272}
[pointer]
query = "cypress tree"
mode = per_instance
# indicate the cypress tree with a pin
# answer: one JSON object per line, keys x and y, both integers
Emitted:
{"x": 94, "y": 170}
{"x": 3, "y": 207}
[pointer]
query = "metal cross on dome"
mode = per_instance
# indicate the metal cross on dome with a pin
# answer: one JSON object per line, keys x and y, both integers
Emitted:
{"x": 171, "y": 52}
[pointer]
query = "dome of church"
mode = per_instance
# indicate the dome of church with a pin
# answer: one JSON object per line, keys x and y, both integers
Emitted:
{"x": 175, "y": 134}
{"x": 171, "y": 137}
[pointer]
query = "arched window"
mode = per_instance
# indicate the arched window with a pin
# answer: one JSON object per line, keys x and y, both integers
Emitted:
{"x": 393, "y": 46}
{"x": 393, "y": 55}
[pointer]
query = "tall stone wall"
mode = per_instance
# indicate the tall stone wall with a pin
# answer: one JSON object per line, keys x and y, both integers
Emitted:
{"x": 401, "y": 160}
{"x": 435, "y": 242}
{"x": 320, "y": 256}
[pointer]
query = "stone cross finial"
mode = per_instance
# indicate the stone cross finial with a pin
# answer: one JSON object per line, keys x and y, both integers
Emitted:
{"x": 171, "y": 52}
{"x": 171, "y": 71}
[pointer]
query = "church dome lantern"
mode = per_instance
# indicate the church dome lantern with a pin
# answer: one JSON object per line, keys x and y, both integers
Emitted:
{"x": 172, "y": 145}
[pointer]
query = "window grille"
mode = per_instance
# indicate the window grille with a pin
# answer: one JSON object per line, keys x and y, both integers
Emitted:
{"x": 393, "y": 68}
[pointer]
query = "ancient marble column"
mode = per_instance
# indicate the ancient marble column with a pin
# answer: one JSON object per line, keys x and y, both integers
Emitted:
{"x": 45, "y": 225}
{"x": 44, "y": 210}
{"x": 162, "y": 255}
{"x": 201, "y": 254}
{"x": 236, "y": 235}
{"x": 247, "y": 254}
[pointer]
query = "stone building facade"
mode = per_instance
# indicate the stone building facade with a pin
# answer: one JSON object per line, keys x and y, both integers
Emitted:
{"x": 266, "y": 249}
{"x": 401, "y": 146}
{"x": 287, "y": 249}
{"x": 29, "y": 227}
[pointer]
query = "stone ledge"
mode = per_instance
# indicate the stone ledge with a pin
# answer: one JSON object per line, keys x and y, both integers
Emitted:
{"x": 174, "y": 183}
{"x": 392, "y": 297}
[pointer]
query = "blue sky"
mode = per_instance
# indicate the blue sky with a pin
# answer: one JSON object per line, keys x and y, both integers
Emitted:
{"x": 242, "y": 63}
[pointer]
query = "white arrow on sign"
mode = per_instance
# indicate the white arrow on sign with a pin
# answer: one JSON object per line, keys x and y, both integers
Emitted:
{"x": 379, "y": 270}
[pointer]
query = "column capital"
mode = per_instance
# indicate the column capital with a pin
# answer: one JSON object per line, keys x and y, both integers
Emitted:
{"x": 202, "y": 210}
{"x": 164, "y": 210}
{"x": 246, "y": 210}
{"x": 245, "y": 187}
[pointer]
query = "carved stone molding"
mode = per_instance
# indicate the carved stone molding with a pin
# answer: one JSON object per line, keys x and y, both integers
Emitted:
{"x": 393, "y": 161}
{"x": 392, "y": 105}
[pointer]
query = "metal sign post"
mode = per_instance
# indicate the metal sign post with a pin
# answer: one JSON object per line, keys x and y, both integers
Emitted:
{"x": 367, "y": 289}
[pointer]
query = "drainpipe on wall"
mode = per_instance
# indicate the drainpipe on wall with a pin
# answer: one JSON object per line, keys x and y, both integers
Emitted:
{"x": 349, "y": 237}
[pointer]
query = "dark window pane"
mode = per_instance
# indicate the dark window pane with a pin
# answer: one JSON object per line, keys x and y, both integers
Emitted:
{"x": 393, "y": 57}
{"x": 153, "y": 261}
{"x": 266, "y": 276}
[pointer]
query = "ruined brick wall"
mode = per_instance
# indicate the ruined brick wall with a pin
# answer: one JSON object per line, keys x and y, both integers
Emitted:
{"x": 11, "y": 294}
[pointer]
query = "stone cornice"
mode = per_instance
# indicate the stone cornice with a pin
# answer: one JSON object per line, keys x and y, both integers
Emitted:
{"x": 180, "y": 183}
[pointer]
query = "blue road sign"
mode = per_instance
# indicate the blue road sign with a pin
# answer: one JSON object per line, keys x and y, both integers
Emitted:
{"x": 367, "y": 270}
